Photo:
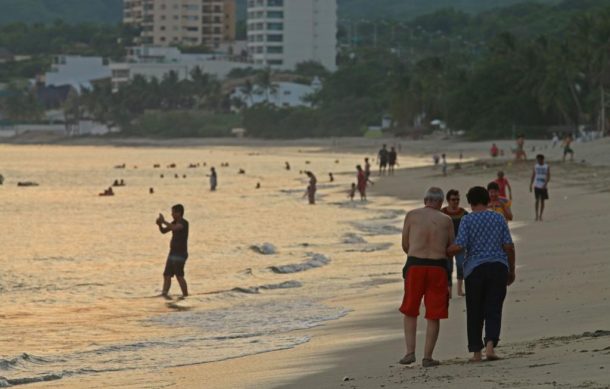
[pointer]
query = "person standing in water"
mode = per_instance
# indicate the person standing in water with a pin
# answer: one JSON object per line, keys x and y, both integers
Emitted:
{"x": 213, "y": 179}
{"x": 382, "y": 157}
{"x": 311, "y": 188}
{"x": 178, "y": 249}
{"x": 363, "y": 181}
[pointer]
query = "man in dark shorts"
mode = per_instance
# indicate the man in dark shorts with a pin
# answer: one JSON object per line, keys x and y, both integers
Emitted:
{"x": 383, "y": 159}
{"x": 541, "y": 175}
{"x": 392, "y": 159}
{"x": 426, "y": 235}
{"x": 178, "y": 249}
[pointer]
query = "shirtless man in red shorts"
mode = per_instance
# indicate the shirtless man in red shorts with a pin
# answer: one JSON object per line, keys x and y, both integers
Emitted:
{"x": 426, "y": 235}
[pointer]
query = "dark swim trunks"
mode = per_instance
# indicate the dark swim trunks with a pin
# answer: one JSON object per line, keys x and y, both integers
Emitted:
{"x": 174, "y": 266}
{"x": 541, "y": 193}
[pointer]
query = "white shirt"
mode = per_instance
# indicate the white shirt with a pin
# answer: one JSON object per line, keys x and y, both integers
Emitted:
{"x": 541, "y": 173}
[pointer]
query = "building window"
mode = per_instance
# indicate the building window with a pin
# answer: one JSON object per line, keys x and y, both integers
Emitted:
{"x": 275, "y": 38}
{"x": 275, "y": 3}
{"x": 275, "y": 26}
{"x": 275, "y": 14}
{"x": 275, "y": 49}
{"x": 275, "y": 62}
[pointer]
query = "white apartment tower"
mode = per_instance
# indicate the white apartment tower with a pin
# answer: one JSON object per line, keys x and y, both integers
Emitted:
{"x": 182, "y": 22}
{"x": 283, "y": 33}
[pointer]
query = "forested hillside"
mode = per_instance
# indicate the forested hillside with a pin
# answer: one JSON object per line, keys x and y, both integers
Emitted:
{"x": 109, "y": 11}
{"x": 70, "y": 11}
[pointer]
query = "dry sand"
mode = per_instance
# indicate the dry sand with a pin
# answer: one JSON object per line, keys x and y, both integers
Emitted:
{"x": 556, "y": 325}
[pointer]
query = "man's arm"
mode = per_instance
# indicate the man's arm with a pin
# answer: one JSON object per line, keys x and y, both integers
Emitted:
{"x": 548, "y": 177}
{"x": 405, "y": 235}
{"x": 166, "y": 227}
{"x": 509, "y": 249}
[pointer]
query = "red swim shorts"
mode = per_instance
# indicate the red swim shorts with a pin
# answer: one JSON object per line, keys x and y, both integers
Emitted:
{"x": 429, "y": 282}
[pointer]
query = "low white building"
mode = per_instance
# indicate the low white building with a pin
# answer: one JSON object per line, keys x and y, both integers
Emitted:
{"x": 283, "y": 94}
{"x": 156, "y": 62}
{"x": 77, "y": 71}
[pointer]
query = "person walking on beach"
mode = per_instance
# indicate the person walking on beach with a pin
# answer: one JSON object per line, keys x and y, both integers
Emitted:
{"x": 392, "y": 160}
{"x": 456, "y": 213}
{"x": 499, "y": 204}
{"x": 489, "y": 267}
{"x": 520, "y": 150}
{"x": 383, "y": 156}
{"x": 213, "y": 179}
{"x": 541, "y": 175}
{"x": 311, "y": 188}
{"x": 178, "y": 249}
{"x": 567, "y": 149}
{"x": 503, "y": 184}
{"x": 444, "y": 164}
{"x": 426, "y": 236}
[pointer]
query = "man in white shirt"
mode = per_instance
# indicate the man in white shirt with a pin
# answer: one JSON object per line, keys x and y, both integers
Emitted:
{"x": 541, "y": 175}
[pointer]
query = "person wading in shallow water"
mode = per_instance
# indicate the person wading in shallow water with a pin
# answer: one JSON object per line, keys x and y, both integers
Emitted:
{"x": 426, "y": 235}
{"x": 311, "y": 188}
{"x": 178, "y": 249}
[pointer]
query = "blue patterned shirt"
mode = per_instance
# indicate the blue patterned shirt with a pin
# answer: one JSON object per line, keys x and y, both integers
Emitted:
{"x": 482, "y": 235}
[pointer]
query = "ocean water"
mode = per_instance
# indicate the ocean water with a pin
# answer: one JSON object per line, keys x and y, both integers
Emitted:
{"x": 80, "y": 273}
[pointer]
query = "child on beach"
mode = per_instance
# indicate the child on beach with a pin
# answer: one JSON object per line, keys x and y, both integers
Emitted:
{"x": 352, "y": 192}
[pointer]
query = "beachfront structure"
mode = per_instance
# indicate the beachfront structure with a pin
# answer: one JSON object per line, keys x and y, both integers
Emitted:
{"x": 182, "y": 22}
{"x": 282, "y": 94}
{"x": 157, "y": 62}
{"x": 283, "y": 33}
{"x": 76, "y": 71}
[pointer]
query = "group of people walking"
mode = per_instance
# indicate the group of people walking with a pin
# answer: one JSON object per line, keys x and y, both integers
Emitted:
{"x": 485, "y": 260}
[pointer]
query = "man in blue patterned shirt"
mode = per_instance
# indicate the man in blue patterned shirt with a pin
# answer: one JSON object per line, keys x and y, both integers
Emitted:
{"x": 489, "y": 267}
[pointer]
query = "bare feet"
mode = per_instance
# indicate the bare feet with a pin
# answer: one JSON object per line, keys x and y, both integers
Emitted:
{"x": 429, "y": 362}
{"x": 492, "y": 357}
{"x": 476, "y": 357}
{"x": 407, "y": 359}
{"x": 461, "y": 293}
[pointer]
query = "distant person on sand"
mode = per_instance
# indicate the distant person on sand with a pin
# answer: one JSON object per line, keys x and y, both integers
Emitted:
{"x": 555, "y": 140}
{"x": 444, "y": 164}
{"x": 520, "y": 150}
{"x": 567, "y": 149}
{"x": 499, "y": 204}
{"x": 352, "y": 192}
{"x": 311, "y": 188}
{"x": 287, "y": 166}
{"x": 489, "y": 267}
{"x": 367, "y": 168}
{"x": 503, "y": 184}
{"x": 494, "y": 151}
{"x": 456, "y": 213}
{"x": 331, "y": 178}
{"x": 392, "y": 160}
{"x": 178, "y": 250}
{"x": 436, "y": 159}
{"x": 541, "y": 175}
{"x": 383, "y": 157}
{"x": 363, "y": 182}
{"x": 426, "y": 235}
{"x": 213, "y": 179}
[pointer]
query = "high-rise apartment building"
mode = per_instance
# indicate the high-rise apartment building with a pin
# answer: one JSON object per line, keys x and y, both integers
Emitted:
{"x": 182, "y": 22}
{"x": 283, "y": 33}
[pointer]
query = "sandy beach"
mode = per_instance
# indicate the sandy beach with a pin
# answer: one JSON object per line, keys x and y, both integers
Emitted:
{"x": 556, "y": 325}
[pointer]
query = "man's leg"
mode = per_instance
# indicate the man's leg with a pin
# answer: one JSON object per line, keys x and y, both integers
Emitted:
{"x": 410, "y": 323}
{"x": 541, "y": 208}
{"x": 537, "y": 207}
{"x": 432, "y": 331}
{"x": 183, "y": 286}
{"x": 167, "y": 282}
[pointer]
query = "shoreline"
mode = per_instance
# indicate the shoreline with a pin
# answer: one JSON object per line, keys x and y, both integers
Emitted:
{"x": 541, "y": 345}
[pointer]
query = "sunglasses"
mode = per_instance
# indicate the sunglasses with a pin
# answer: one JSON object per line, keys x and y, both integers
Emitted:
{"x": 455, "y": 199}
